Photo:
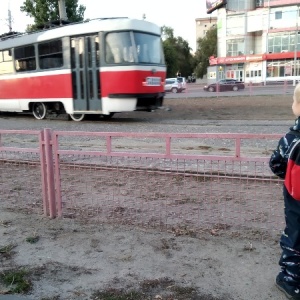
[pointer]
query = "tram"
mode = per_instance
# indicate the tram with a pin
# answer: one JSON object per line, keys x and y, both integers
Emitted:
{"x": 97, "y": 67}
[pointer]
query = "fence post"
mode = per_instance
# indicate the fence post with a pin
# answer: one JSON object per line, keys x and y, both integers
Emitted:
{"x": 50, "y": 173}
{"x": 44, "y": 173}
{"x": 285, "y": 86}
{"x": 58, "y": 197}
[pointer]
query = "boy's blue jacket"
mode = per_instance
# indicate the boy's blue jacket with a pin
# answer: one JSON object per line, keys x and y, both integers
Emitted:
{"x": 279, "y": 158}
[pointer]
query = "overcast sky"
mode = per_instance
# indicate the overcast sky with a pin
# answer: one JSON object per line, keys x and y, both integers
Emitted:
{"x": 179, "y": 15}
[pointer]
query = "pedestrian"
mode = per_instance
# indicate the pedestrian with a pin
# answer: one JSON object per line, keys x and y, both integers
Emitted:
{"x": 288, "y": 279}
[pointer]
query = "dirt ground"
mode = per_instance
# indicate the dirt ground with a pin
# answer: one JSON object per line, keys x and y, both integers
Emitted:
{"x": 68, "y": 259}
{"x": 233, "y": 108}
{"x": 247, "y": 107}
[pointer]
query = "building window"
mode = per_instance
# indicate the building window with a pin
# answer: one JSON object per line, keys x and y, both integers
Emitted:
{"x": 278, "y": 15}
{"x": 280, "y": 42}
{"x": 236, "y": 5}
{"x": 259, "y": 3}
{"x": 283, "y": 68}
{"x": 235, "y": 47}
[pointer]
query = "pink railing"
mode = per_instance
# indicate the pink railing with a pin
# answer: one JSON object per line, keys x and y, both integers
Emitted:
{"x": 146, "y": 179}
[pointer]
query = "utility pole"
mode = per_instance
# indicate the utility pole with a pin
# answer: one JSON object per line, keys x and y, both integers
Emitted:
{"x": 62, "y": 10}
{"x": 296, "y": 48}
{"x": 9, "y": 20}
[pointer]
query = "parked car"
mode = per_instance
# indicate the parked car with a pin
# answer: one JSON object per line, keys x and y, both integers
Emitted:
{"x": 182, "y": 81}
{"x": 173, "y": 85}
{"x": 225, "y": 85}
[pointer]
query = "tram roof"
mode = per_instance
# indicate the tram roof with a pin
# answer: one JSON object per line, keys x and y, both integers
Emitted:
{"x": 74, "y": 29}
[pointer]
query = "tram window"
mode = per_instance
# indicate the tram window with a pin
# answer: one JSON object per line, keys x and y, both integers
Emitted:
{"x": 93, "y": 45}
{"x": 149, "y": 48}
{"x": 25, "y": 59}
{"x": 50, "y": 55}
{"x": 119, "y": 48}
{"x": 6, "y": 63}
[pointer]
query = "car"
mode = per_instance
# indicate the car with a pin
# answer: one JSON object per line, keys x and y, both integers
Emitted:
{"x": 173, "y": 85}
{"x": 225, "y": 85}
{"x": 183, "y": 82}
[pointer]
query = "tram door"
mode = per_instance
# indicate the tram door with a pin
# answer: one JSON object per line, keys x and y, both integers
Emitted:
{"x": 85, "y": 73}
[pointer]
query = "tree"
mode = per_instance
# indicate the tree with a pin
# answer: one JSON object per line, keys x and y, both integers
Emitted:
{"x": 47, "y": 11}
{"x": 184, "y": 57}
{"x": 207, "y": 47}
{"x": 177, "y": 53}
{"x": 171, "y": 56}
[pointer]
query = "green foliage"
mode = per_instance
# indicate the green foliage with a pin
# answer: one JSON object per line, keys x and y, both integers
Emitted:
{"x": 32, "y": 239}
{"x": 16, "y": 281}
{"x": 207, "y": 47}
{"x": 177, "y": 54}
{"x": 45, "y": 11}
{"x": 171, "y": 58}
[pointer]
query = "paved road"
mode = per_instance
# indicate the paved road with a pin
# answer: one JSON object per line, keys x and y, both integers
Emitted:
{"x": 196, "y": 90}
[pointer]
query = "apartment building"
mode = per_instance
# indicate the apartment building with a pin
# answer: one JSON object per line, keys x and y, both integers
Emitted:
{"x": 203, "y": 25}
{"x": 258, "y": 41}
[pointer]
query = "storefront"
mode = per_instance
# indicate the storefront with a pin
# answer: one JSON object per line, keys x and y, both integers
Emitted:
{"x": 255, "y": 69}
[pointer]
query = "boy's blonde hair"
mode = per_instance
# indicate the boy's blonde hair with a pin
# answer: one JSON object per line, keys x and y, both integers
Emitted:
{"x": 297, "y": 93}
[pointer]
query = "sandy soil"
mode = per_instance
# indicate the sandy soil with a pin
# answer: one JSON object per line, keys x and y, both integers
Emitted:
{"x": 69, "y": 259}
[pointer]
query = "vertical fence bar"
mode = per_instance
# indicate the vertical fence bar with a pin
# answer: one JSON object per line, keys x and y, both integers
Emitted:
{"x": 108, "y": 144}
{"x": 57, "y": 175}
{"x": 44, "y": 173}
{"x": 168, "y": 146}
{"x": 237, "y": 147}
{"x": 50, "y": 173}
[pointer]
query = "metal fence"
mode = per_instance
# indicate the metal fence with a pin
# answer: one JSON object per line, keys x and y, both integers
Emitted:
{"x": 169, "y": 181}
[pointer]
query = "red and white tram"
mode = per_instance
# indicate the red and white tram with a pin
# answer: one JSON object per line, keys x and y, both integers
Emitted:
{"x": 99, "y": 67}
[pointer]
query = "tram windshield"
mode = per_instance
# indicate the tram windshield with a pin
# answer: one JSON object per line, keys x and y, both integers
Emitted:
{"x": 133, "y": 47}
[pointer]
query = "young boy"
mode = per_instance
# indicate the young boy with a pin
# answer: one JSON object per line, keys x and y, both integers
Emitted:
{"x": 288, "y": 279}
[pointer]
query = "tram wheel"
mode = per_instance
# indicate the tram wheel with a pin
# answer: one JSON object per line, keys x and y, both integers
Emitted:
{"x": 39, "y": 110}
{"x": 77, "y": 117}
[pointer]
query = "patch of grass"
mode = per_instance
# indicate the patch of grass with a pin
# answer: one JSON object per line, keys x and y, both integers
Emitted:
{"x": 183, "y": 291}
{"x": 16, "y": 281}
{"x": 7, "y": 251}
{"x": 114, "y": 294}
{"x": 150, "y": 289}
{"x": 32, "y": 239}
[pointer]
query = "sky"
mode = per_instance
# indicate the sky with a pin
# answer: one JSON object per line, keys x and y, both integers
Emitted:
{"x": 178, "y": 14}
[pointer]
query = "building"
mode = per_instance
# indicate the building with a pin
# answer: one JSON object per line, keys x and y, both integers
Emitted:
{"x": 258, "y": 41}
{"x": 203, "y": 25}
